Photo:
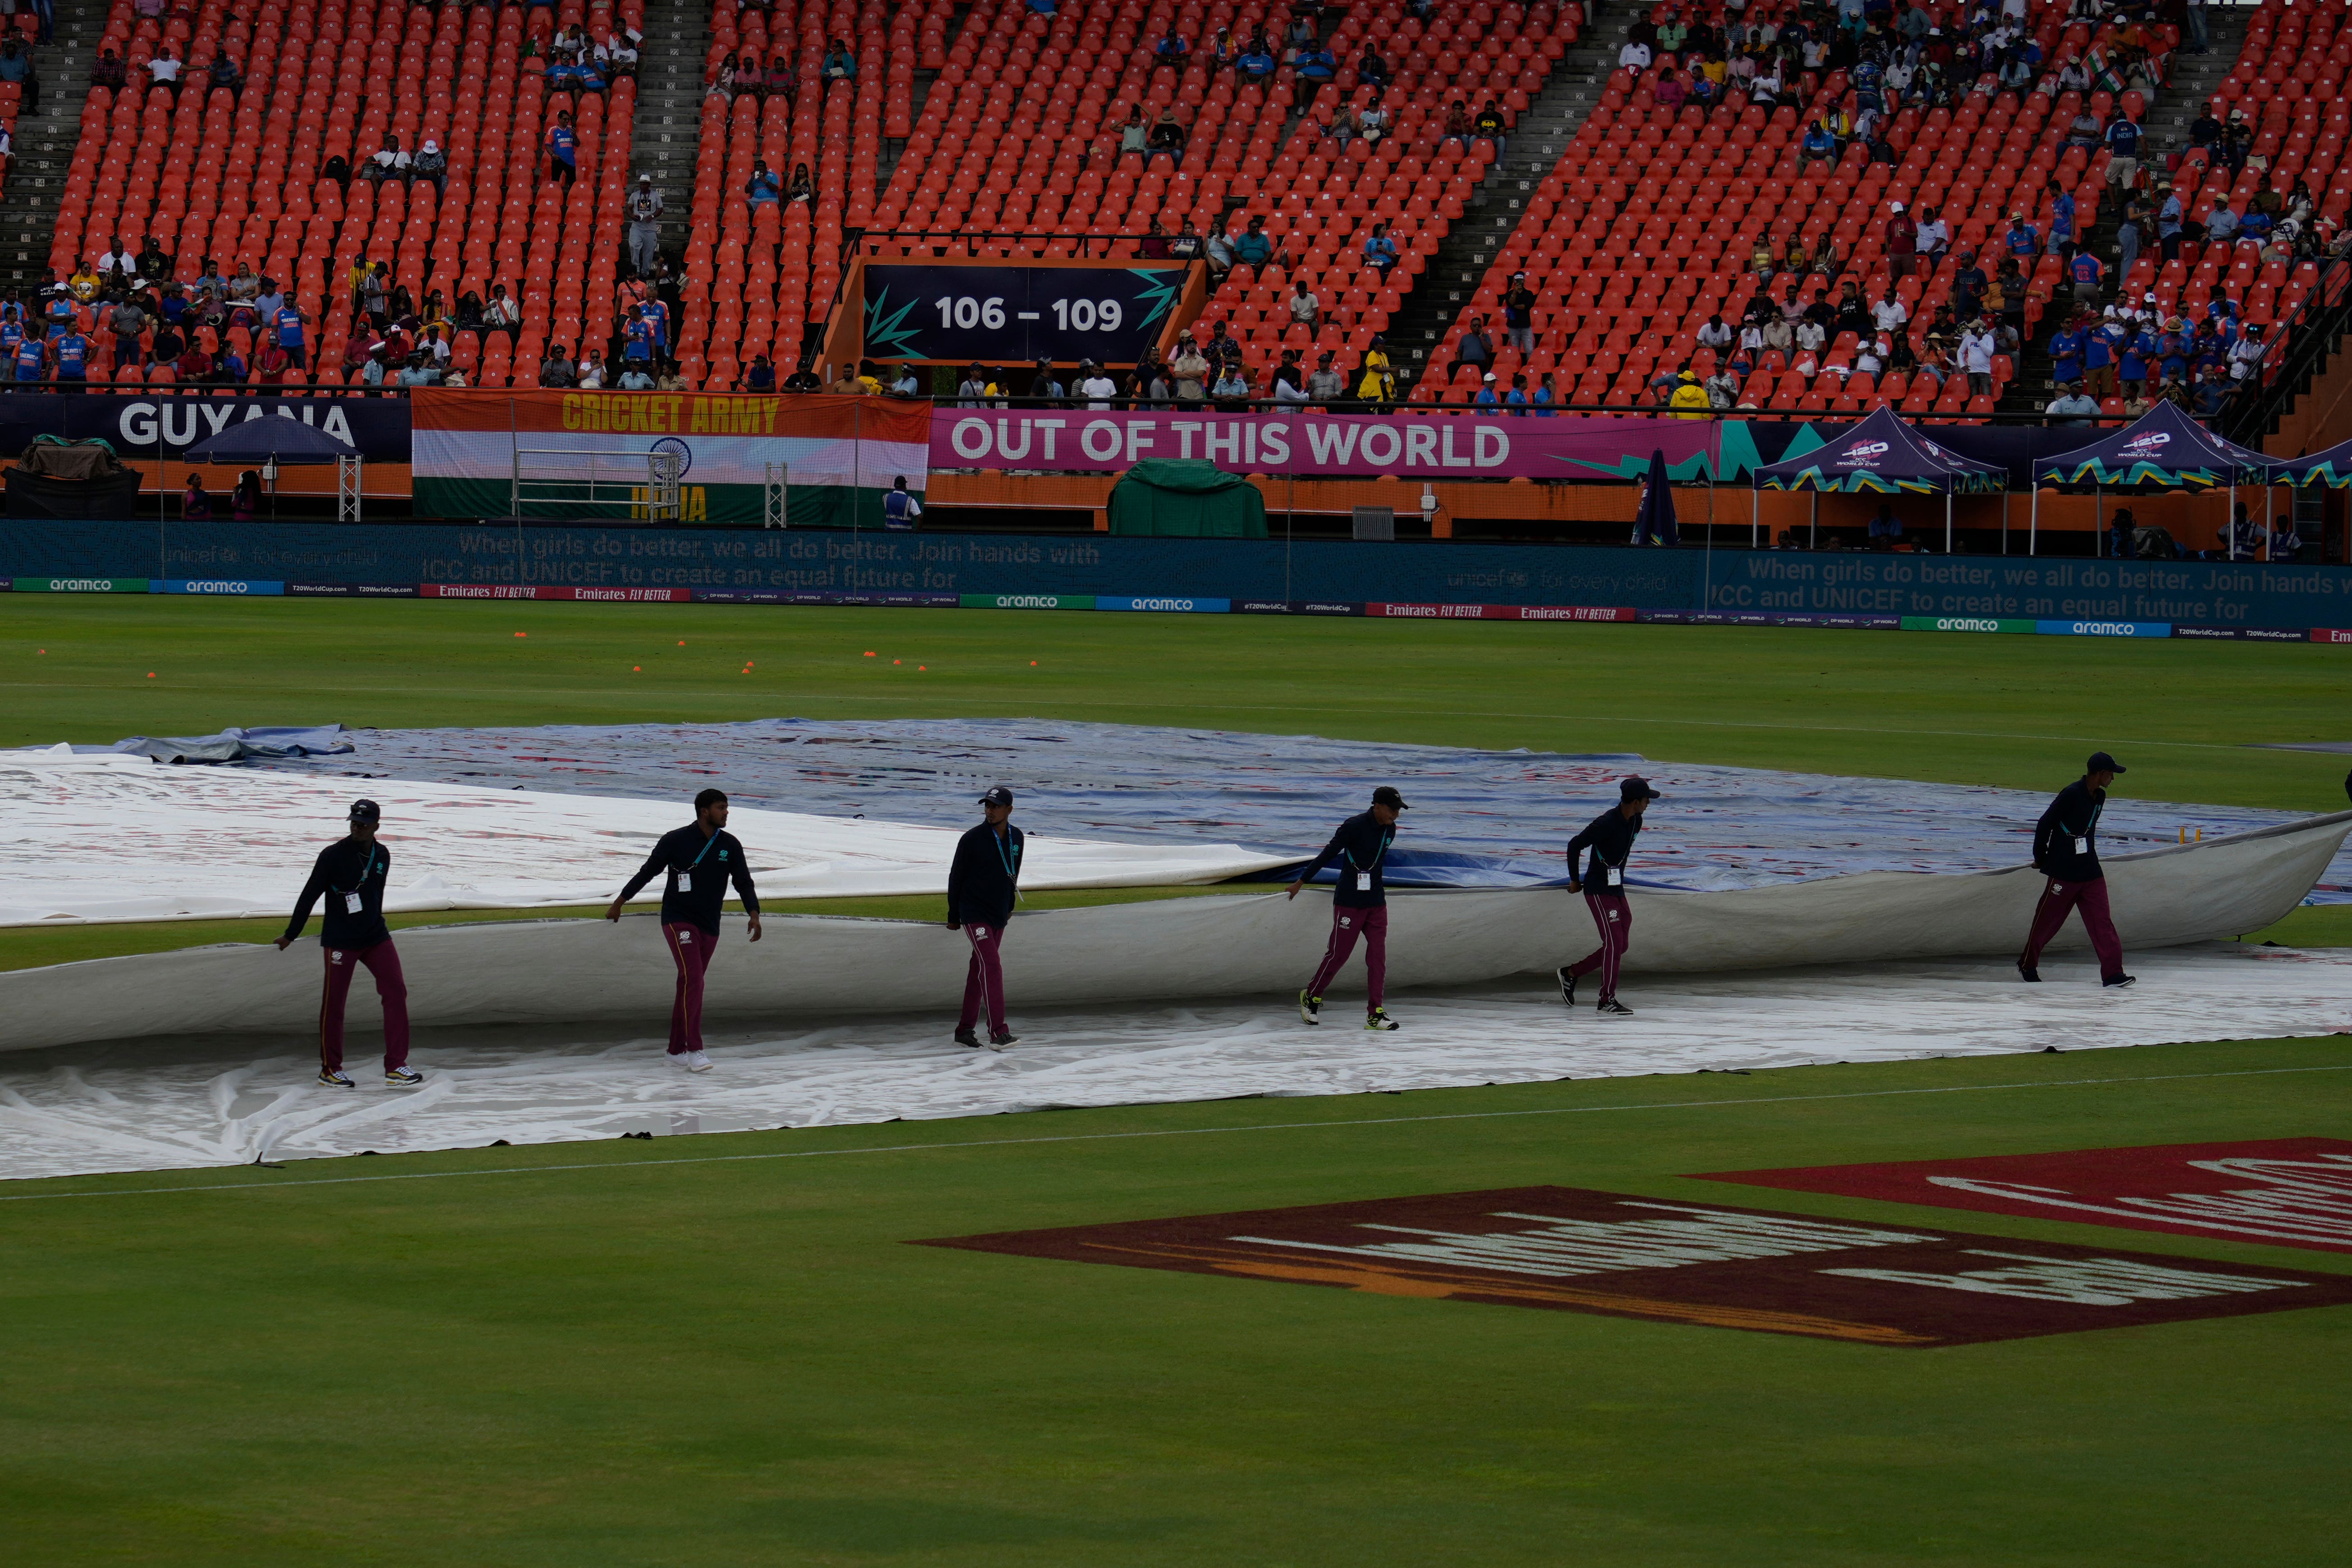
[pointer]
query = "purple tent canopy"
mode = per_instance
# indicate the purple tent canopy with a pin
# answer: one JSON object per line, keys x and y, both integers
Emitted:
{"x": 1883, "y": 454}
{"x": 2164, "y": 448}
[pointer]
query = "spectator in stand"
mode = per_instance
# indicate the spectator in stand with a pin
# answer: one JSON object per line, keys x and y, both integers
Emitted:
{"x": 1633, "y": 57}
{"x": 1476, "y": 351}
{"x": 1327, "y": 384}
{"x": 763, "y": 189}
{"x": 2210, "y": 395}
{"x": 645, "y": 210}
{"x": 1930, "y": 238}
{"x": 556, "y": 368}
{"x": 2122, "y": 138}
{"x": 1976, "y": 357}
{"x": 1167, "y": 140}
{"x": 562, "y": 151}
{"x": 226, "y": 77}
{"x": 196, "y": 504}
{"x": 1381, "y": 250}
{"x": 2170, "y": 221}
{"x": 1819, "y": 146}
{"x": 2088, "y": 273}
{"x": 2103, "y": 341}
{"x": 1490, "y": 127}
{"x": 1306, "y": 310}
{"x": 1372, "y": 70}
{"x": 1715, "y": 333}
{"x": 1689, "y": 400}
{"x": 106, "y": 72}
{"x": 1095, "y": 386}
{"x": 1174, "y": 48}
{"x": 431, "y": 163}
{"x": 1315, "y": 65}
{"x": 1220, "y": 350}
{"x": 2221, "y": 224}
{"x": 1519, "y": 315}
{"x": 803, "y": 188}
{"x": 1665, "y": 91}
{"x": 840, "y": 64}
{"x": 1376, "y": 380}
{"x": 1484, "y": 400}
{"x": 501, "y": 313}
{"x": 2073, "y": 406}
{"x": 621, "y": 56}
{"x": 1254, "y": 249}
{"x": 762, "y": 376}
{"x": 1218, "y": 249}
{"x": 2061, "y": 220}
{"x": 1256, "y": 61}
{"x": 2084, "y": 130}
{"x": 127, "y": 323}
{"x": 1231, "y": 389}
{"x": 2246, "y": 353}
{"x": 779, "y": 82}
{"x": 1189, "y": 369}
{"x": 1901, "y": 241}
{"x": 162, "y": 71}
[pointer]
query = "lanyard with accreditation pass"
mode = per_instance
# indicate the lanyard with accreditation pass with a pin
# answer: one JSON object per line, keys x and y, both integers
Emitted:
{"x": 351, "y": 899}
{"x": 685, "y": 877}
{"x": 1364, "y": 874}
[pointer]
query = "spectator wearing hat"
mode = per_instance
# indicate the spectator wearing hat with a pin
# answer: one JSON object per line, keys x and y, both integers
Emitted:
{"x": 2073, "y": 406}
{"x": 2066, "y": 852}
{"x": 1609, "y": 837}
{"x": 1358, "y": 851}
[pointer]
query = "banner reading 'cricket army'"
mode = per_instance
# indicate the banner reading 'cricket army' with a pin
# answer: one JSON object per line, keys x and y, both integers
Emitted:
{"x": 586, "y": 454}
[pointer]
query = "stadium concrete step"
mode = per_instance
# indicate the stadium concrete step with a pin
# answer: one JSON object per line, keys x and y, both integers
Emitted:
{"x": 1537, "y": 141}
{"x": 44, "y": 143}
{"x": 669, "y": 108}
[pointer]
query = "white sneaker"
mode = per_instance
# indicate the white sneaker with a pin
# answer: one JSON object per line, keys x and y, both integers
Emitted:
{"x": 697, "y": 1061}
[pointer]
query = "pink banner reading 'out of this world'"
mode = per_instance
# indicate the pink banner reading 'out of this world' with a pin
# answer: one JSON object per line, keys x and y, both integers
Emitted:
{"x": 1313, "y": 444}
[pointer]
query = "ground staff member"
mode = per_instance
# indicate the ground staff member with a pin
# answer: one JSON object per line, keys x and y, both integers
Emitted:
{"x": 984, "y": 880}
{"x": 350, "y": 874}
{"x": 1359, "y": 905}
{"x": 2065, "y": 850}
{"x": 1610, "y": 836}
{"x": 701, "y": 859}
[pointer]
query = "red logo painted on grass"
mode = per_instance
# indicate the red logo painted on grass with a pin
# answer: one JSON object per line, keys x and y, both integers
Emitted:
{"x": 2288, "y": 1192}
{"x": 1569, "y": 1249}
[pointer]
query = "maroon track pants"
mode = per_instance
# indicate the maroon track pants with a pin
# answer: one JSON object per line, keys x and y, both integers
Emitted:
{"x": 984, "y": 979}
{"x": 1347, "y": 923}
{"x": 689, "y": 947}
{"x": 2058, "y": 899}
{"x": 383, "y": 961}
{"x": 1616, "y": 923}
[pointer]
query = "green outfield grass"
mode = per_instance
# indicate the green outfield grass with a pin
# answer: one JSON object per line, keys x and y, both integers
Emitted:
{"x": 623, "y": 1359}
{"x": 718, "y": 1350}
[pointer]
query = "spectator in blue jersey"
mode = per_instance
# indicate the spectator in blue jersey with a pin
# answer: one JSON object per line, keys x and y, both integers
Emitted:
{"x": 1484, "y": 399}
{"x": 2066, "y": 351}
{"x": 2173, "y": 346}
{"x": 1254, "y": 249}
{"x": 71, "y": 352}
{"x": 2101, "y": 345}
{"x": 763, "y": 189}
{"x": 2062, "y": 219}
{"x": 1381, "y": 250}
{"x": 2122, "y": 139}
{"x": 1819, "y": 144}
{"x": 562, "y": 76}
{"x": 2023, "y": 239}
{"x": 562, "y": 151}
{"x": 1173, "y": 50}
{"x": 2132, "y": 363}
{"x": 1256, "y": 62}
{"x": 762, "y": 376}
{"x": 637, "y": 338}
{"x": 31, "y": 358}
{"x": 1516, "y": 400}
{"x": 286, "y": 325}
{"x": 2086, "y": 270}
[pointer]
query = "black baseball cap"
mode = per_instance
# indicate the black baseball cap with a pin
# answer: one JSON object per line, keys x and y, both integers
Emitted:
{"x": 366, "y": 811}
{"x": 1387, "y": 795}
{"x": 1637, "y": 788}
{"x": 997, "y": 796}
{"x": 2101, "y": 762}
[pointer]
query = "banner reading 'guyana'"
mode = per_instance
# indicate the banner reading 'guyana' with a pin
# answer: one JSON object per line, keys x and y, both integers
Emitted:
{"x": 585, "y": 455}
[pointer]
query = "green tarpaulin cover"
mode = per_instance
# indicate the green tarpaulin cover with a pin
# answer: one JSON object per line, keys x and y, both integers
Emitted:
{"x": 1194, "y": 499}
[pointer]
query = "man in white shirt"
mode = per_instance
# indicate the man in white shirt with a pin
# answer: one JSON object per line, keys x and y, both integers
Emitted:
{"x": 1634, "y": 57}
{"x": 1889, "y": 314}
{"x": 1976, "y": 358}
{"x": 1715, "y": 333}
{"x": 2073, "y": 403}
{"x": 164, "y": 70}
{"x": 1095, "y": 386}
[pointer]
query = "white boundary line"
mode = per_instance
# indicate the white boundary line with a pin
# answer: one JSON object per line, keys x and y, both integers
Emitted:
{"x": 1162, "y": 1133}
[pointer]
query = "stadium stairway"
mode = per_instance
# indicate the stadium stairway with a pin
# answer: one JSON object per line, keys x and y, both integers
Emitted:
{"x": 1551, "y": 120}
{"x": 2195, "y": 79}
{"x": 45, "y": 143}
{"x": 668, "y": 129}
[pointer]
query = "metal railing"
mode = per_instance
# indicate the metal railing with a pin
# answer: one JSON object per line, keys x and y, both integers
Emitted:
{"x": 2293, "y": 358}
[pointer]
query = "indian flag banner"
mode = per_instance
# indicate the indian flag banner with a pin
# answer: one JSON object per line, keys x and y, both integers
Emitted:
{"x": 588, "y": 455}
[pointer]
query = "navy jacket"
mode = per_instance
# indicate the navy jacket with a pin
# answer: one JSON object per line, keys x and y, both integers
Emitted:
{"x": 1610, "y": 839}
{"x": 346, "y": 867}
{"x": 1360, "y": 846}
{"x": 2074, "y": 814}
{"x": 985, "y": 875}
{"x": 699, "y": 871}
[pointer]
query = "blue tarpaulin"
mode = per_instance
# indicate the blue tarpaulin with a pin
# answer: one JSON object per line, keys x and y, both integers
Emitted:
{"x": 1477, "y": 819}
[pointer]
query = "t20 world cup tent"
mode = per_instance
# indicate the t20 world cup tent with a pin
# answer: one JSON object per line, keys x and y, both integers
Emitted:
{"x": 2163, "y": 449}
{"x": 1885, "y": 456}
